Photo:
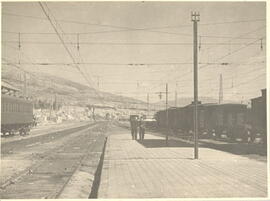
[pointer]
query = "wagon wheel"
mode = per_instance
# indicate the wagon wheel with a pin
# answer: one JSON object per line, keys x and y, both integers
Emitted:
{"x": 27, "y": 131}
{"x": 22, "y": 132}
{"x": 245, "y": 135}
{"x": 232, "y": 135}
{"x": 12, "y": 132}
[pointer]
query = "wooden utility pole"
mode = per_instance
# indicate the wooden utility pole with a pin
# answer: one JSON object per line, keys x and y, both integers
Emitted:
{"x": 19, "y": 47}
{"x": 148, "y": 109}
{"x": 98, "y": 81}
{"x": 220, "y": 99}
{"x": 195, "y": 17}
{"x": 24, "y": 85}
{"x": 175, "y": 104}
{"x": 137, "y": 93}
{"x": 167, "y": 114}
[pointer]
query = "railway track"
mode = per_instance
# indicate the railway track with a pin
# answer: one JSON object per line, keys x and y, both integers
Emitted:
{"x": 7, "y": 147}
{"x": 52, "y": 169}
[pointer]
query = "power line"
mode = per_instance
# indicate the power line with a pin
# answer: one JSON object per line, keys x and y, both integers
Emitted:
{"x": 96, "y": 32}
{"x": 66, "y": 48}
{"x": 151, "y": 29}
{"x": 19, "y": 67}
{"x": 126, "y": 43}
{"x": 115, "y": 26}
{"x": 132, "y": 64}
{"x": 231, "y": 53}
{"x": 242, "y": 83}
{"x": 237, "y": 37}
{"x": 85, "y": 75}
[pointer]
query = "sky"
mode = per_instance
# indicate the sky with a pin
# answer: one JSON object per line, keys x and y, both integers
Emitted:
{"x": 134, "y": 48}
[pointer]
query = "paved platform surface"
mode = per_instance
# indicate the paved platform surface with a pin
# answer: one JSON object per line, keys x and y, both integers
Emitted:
{"x": 150, "y": 169}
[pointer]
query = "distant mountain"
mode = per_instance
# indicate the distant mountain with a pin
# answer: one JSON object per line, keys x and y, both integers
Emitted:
{"x": 41, "y": 86}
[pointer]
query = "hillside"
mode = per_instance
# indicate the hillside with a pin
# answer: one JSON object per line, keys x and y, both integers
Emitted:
{"x": 43, "y": 87}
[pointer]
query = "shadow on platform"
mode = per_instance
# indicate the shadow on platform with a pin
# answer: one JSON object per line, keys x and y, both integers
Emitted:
{"x": 244, "y": 149}
{"x": 238, "y": 148}
{"x": 159, "y": 143}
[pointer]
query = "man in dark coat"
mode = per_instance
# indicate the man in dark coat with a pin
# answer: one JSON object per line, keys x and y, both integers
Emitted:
{"x": 134, "y": 126}
{"x": 142, "y": 128}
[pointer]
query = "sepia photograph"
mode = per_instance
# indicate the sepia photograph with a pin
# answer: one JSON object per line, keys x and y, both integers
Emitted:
{"x": 134, "y": 99}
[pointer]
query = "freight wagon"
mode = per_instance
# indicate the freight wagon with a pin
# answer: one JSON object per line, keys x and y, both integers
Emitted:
{"x": 213, "y": 120}
{"x": 16, "y": 112}
{"x": 257, "y": 116}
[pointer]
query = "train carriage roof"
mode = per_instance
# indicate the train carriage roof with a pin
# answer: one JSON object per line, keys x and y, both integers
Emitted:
{"x": 208, "y": 105}
{"x": 9, "y": 87}
{"x": 5, "y": 97}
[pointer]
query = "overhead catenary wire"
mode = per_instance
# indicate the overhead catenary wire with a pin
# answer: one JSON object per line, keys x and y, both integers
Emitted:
{"x": 19, "y": 67}
{"x": 124, "y": 28}
{"x": 245, "y": 82}
{"x": 206, "y": 65}
{"x": 231, "y": 53}
{"x": 159, "y": 27}
{"x": 127, "y": 43}
{"x": 133, "y": 64}
{"x": 66, "y": 48}
{"x": 204, "y": 49}
{"x": 85, "y": 75}
{"x": 86, "y": 63}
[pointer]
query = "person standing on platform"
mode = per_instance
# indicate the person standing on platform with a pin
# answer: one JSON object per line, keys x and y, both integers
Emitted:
{"x": 142, "y": 128}
{"x": 134, "y": 126}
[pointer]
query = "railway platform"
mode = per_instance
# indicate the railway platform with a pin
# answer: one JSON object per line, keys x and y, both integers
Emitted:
{"x": 152, "y": 169}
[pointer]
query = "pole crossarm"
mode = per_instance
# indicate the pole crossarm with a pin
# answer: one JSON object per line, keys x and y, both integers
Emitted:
{"x": 195, "y": 16}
